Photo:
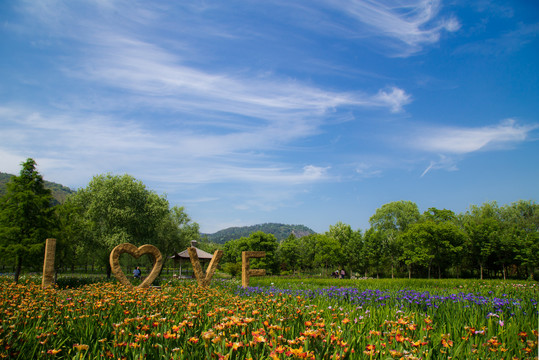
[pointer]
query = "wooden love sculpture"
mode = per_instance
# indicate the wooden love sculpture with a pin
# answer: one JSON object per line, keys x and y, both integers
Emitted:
{"x": 114, "y": 258}
{"x": 136, "y": 253}
{"x": 204, "y": 279}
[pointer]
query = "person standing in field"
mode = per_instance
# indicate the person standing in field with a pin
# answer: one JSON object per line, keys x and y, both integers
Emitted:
{"x": 137, "y": 273}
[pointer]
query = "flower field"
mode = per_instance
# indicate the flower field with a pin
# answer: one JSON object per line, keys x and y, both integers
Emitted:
{"x": 277, "y": 319}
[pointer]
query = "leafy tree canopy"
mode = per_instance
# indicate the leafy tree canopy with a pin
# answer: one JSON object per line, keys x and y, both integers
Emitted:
{"x": 26, "y": 216}
{"x": 117, "y": 209}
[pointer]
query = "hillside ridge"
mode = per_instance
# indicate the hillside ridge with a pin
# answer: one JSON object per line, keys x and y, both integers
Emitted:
{"x": 281, "y": 232}
{"x": 59, "y": 191}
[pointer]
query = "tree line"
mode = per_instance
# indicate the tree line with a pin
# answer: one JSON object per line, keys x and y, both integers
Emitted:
{"x": 110, "y": 210}
{"x": 486, "y": 241}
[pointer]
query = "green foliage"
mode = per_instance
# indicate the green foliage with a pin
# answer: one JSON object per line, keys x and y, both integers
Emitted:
{"x": 351, "y": 243}
{"x": 288, "y": 254}
{"x": 395, "y": 216}
{"x": 233, "y": 269}
{"x": 486, "y": 241}
{"x": 434, "y": 241}
{"x": 328, "y": 252}
{"x": 281, "y": 232}
{"x": 257, "y": 241}
{"x": 26, "y": 215}
{"x": 392, "y": 219}
{"x": 116, "y": 209}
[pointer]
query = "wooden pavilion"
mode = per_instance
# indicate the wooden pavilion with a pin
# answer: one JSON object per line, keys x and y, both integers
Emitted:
{"x": 183, "y": 256}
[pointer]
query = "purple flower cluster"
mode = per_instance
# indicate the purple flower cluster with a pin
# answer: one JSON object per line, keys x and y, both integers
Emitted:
{"x": 406, "y": 298}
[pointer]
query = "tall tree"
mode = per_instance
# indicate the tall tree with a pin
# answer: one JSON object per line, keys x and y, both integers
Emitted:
{"x": 434, "y": 241}
{"x": 116, "y": 209}
{"x": 447, "y": 239}
{"x": 414, "y": 242}
{"x": 260, "y": 241}
{"x": 327, "y": 252}
{"x": 483, "y": 228}
{"x": 288, "y": 253}
{"x": 392, "y": 219}
{"x": 176, "y": 231}
{"x": 521, "y": 234}
{"x": 351, "y": 245}
{"x": 374, "y": 252}
{"x": 307, "y": 251}
{"x": 26, "y": 216}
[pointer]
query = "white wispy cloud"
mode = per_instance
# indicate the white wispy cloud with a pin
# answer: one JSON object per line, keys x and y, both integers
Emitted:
{"x": 147, "y": 69}
{"x": 221, "y": 125}
{"x": 454, "y": 140}
{"x": 407, "y": 25}
{"x": 452, "y": 143}
{"x": 448, "y": 163}
{"x": 366, "y": 170}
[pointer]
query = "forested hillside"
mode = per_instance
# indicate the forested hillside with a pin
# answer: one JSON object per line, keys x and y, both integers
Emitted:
{"x": 59, "y": 192}
{"x": 281, "y": 232}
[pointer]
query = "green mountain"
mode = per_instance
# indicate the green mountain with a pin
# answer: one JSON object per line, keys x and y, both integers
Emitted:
{"x": 59, "y": 192}
{"x": 281, "y": 232}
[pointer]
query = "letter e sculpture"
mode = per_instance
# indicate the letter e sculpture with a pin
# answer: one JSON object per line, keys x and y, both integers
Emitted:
{"x": 246, "y": 271}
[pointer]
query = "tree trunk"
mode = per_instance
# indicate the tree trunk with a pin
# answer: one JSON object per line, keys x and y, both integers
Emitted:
{"x": 503, "y": 270}
{"x": 18, "y": 268}
{"x": 481, "y": 271}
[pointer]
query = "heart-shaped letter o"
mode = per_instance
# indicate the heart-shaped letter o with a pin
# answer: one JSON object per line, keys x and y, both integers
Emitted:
{"x": 136, "y": 253}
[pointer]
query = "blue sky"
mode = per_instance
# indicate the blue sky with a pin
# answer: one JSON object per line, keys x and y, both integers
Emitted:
{"x": 299, "y": 112}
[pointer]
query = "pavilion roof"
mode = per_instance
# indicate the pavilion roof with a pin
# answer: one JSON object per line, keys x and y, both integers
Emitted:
{"x": 202, "y": 255}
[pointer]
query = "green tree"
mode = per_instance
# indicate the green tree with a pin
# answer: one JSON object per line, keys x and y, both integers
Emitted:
{"x": 26, "y": 217}
{"x": 392, "y": 219}
{"x": 447, "y": 242}
{"x": 257, "y": 241}
{"x": 307, "y": 251}
{"x": 260, "y": 241}
{"x": 483, "y": 228}
{"x": 117, "y": 209}
{"x": 351, "y": 245}
{"x": 521, "y": 234}
{"x": 327, "y": 252}
{"x": 288, "y": 253}
{"x": 374, "y": 252}
{"x": 176, "y": 231}
{"x": 435, "y": 241}
{"x": 414, "y": 242}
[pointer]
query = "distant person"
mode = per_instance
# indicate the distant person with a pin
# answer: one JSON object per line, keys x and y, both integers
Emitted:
{"x": 137, "y": 273}
{"x": 343, "y": 274}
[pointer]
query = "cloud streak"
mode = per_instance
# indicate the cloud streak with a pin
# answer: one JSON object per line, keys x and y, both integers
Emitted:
{"x": 452, "y": 140}
{"x": 407, "y": 25}
{"x": 451, "y": 143}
